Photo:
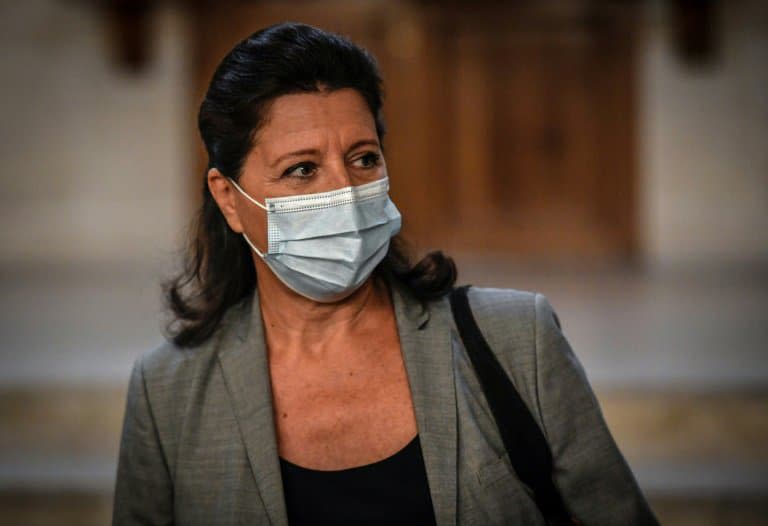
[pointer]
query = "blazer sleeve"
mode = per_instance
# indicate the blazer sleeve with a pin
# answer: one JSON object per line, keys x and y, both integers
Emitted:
{"x": 143, "y": 489}
{"x": 593, "y": 477}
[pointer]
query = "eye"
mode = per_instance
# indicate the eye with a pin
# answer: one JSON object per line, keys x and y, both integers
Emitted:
{"x": 301, "y": 170}
{"x": 369, "y": 160}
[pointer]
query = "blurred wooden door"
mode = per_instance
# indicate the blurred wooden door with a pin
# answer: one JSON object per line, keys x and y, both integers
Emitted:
{"x": 510, "y": 128}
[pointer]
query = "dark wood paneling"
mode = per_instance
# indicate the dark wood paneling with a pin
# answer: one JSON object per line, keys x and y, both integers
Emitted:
{"x": 511, "y": 127}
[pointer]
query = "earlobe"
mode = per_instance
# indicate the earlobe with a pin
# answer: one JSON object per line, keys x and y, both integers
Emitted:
{"x": 224, "y": 195}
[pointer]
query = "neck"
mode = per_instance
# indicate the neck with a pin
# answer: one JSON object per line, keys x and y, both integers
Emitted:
{"x": 292, "y": 319}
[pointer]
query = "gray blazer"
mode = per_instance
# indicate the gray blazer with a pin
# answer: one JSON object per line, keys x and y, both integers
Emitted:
{"x": 198, "y": 444}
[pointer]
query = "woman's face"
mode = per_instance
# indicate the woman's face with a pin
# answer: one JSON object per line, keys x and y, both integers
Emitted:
{"x": 309, "y": 143}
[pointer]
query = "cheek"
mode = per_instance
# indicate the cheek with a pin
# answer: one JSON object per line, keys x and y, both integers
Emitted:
{"x": 254, "y": 222}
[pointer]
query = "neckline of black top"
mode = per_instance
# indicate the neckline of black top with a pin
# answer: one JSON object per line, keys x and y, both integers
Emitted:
{"x": 379, "y": 463}
{"x": 393, "y": 490}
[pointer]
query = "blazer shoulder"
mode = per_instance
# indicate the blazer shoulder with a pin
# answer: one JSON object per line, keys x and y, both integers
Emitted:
{"x": 510, "y": 320}
{"x": 168, "y": 363}
{"x": 507, "y": 312}
{"x": 498, "y": 300}
{"x": 524, "y": 309}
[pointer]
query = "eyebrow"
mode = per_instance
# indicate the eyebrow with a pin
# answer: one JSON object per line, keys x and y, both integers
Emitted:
{"x": 364, "y": 142}
{"x": 313, "y": 151}
{"x": 306, "y": 151}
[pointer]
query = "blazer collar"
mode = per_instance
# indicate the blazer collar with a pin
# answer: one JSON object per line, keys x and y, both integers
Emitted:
{"x": 243, "y": 359}
{"x": 425, "y": 341}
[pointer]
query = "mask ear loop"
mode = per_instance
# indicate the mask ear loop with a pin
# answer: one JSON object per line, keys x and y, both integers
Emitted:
{"x": 254, "y": 201}
{"x": 253, "y": 246}
{"x": 251, "y": 199}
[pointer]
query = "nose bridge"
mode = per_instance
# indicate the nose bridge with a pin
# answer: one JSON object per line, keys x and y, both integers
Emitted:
{"x": 337, "y": 166}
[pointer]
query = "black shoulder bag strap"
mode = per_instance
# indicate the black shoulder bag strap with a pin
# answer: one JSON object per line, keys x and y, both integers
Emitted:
{"x": 525, "y": 443}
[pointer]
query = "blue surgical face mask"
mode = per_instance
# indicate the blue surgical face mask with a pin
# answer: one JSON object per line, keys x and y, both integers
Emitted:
{"x": 325, "y": 245}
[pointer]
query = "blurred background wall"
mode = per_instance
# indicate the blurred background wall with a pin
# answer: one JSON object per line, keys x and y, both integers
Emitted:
{"x": 610, "y": 155}
{"x": 703, "y": 158}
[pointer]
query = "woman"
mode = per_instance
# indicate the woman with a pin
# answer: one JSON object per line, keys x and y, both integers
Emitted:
{"x": 313, "y": 374}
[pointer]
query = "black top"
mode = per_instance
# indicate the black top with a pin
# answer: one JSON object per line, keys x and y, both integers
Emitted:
{"x": 391, "y": 491}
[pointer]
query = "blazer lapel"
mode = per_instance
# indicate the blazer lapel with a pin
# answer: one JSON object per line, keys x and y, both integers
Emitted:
{"x": 243, "y": 359}
{"x": 425, "y": 339}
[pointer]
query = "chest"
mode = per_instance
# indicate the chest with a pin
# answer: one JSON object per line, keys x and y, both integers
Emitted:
{"x": 351, "y": 408}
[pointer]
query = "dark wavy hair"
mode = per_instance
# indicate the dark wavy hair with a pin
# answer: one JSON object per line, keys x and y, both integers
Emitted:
{"x": 218, "y": 270}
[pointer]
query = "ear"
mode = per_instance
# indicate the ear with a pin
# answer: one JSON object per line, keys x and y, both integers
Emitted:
{"x": 224, "y": 195}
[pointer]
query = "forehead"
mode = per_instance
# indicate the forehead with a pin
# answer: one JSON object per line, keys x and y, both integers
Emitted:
{"x": 295, "y": 116}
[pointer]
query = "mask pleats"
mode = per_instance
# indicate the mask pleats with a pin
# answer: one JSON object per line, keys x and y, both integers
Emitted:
{"x": 324, "y": 246}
